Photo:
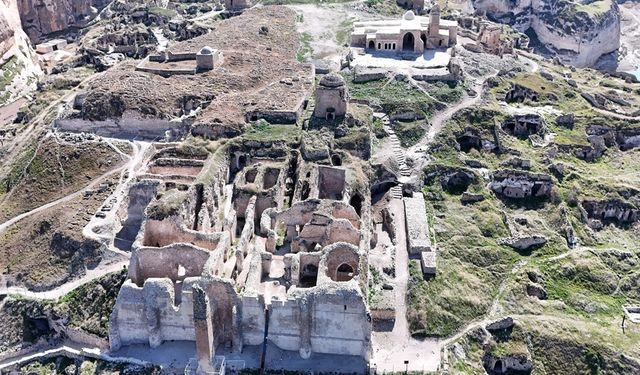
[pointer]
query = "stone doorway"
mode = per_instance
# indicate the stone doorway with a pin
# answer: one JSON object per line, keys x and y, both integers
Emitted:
{"x": 408, "y": 42}
{"x": 372, "y": 44}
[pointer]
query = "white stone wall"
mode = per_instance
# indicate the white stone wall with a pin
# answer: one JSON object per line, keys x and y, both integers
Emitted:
{"x": 418, "y": 238}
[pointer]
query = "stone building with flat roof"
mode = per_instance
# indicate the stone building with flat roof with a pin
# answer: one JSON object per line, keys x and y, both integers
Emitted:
{"x": 411, "y": 34}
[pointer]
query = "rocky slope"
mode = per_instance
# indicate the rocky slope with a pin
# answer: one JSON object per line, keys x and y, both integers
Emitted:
{"x": 579, "y": 33}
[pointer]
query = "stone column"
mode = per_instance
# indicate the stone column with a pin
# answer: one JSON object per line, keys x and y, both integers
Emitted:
{"x": 239, "y": 259}
{"x": 305, "y": 306}
{"x": 203, "y": 325}
{"x": 236, "y": 328}
{"x": 292, "y": 232}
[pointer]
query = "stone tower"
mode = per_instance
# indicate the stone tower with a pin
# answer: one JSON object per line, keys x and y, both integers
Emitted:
{"x": 331, "y": 97}
{"x": 434, "y": 21}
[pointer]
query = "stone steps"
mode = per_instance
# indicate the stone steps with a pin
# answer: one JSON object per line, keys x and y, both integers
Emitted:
{"x": 401, "y": 159}
{"x": 396, "y": 192}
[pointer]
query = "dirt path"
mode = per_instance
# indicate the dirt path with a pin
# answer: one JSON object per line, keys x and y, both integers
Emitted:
{"x": 438, "y": 121}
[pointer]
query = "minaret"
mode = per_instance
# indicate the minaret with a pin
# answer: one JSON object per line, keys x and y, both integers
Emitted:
{"x": 434, "y": 20}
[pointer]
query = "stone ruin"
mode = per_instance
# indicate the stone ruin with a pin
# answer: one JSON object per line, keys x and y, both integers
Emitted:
{"x": 597, "y": 213}
{"x": 331, "y": 97}
{"x": 517, "y": 184}
{"x": 251, "y": 233}
{"x": 524, "y": 125}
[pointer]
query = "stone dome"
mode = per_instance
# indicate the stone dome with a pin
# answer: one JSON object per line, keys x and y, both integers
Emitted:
{"x": 206, "y": 51}
{"x": 332, "y": 80}
{"x": 409, "y": 16}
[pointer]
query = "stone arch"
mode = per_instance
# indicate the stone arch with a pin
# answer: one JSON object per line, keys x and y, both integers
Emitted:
{"x": 408, "y": 42}
{"x": 423, "y": 37}
{"x": 336, "y": 161}
{"x": 341, "y": 261}
{"x": 372, "y": 44}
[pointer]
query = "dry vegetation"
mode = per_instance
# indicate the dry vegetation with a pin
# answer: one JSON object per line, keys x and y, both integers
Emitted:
{"x": 52, "y": 169}
{"x": 48, "y": 248}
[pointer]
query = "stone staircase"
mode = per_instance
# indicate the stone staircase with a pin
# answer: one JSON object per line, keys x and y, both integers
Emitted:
{"x": 399, "y": 155}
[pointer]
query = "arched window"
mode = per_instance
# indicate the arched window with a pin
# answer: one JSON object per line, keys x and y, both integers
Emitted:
{"x": 344, "y": 272}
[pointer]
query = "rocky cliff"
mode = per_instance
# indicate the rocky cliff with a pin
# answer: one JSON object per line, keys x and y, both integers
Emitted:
{"x": 578, "y": 32}
{"x": 18, "y": 61}
{"x": 42, "y": 17}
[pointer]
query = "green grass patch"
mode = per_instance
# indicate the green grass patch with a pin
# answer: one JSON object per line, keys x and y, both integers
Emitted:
{"x": 305, "y": 50}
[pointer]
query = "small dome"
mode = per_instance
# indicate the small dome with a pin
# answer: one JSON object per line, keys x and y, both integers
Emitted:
{"x": 332, "y": 80}
{"x": 206, "y": 51}
{"x": 409, "y": 16}
{"x": 435, "y": 9}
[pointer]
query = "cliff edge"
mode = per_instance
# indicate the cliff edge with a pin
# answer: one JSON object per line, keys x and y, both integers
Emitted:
{"x": 577, "y": 32}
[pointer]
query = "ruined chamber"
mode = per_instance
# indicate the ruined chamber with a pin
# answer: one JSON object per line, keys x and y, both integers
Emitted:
{"x": 260, "y": 237}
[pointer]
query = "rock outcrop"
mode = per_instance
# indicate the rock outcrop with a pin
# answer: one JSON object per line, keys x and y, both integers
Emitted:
{"x": 42, "y": 17}
{"x": 520, "y": 184}
{"x": 577, "y": 33}
{"x": 597, "y": 213}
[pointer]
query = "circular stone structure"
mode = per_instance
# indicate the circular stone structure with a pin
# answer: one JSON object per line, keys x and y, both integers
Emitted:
{"x": 332, "y": 80}
{"x": 206, "y": 50}
{"x": 409, "y": 16}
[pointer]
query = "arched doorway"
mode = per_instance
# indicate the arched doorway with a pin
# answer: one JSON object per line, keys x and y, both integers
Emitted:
{"x": 424, "y": 40}
{"x": 372, "y": 44}
{"x": 344, "y": 273}
{"x": 408, "y": 42}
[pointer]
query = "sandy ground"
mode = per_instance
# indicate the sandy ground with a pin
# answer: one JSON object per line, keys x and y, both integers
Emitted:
{"x": 323, "y": 23}
{"x": 392, "y": 349}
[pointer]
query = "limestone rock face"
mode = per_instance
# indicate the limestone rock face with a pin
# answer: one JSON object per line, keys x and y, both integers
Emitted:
{"x": 14, "y": 45}
{"x": 41, "y": 17}
{"x": 579, "y": 34}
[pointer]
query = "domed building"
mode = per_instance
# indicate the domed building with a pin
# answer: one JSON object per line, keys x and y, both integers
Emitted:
{"x": 411, "y": 34}
{"x": 331, "y": 97}
{"x": 207, "y": 58}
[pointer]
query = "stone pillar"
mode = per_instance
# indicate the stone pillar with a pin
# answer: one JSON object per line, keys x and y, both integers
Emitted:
{"x": 305, "y": 306}
{"x": 205, "y": 349}
{"x": 239, "y": 259}
{"x": 292, "y": 232}
{"x": 236, "y": 326}
{"x": 115, "y": 342}
{"x": 295, "y": 270}
{"x": 266, "y": 262}
{"x": 287, "y": 266}
{"x": 272, "y": 239}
